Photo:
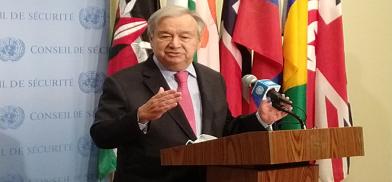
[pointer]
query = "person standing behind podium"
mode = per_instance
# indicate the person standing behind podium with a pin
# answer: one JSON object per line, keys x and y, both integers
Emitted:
{"x": 140, "y": 110}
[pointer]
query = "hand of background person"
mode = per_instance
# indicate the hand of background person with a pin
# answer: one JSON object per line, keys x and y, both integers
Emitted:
{"x": 158, "y": 104}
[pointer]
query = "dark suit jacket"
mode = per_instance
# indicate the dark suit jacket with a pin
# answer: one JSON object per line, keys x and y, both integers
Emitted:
{"x": 138, "y": 159}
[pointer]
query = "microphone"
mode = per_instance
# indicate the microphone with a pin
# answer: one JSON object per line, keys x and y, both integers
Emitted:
{"x": 263, "y": 89}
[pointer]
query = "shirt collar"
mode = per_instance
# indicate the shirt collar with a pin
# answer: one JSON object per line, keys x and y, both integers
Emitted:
{"x": 190, "y": 69}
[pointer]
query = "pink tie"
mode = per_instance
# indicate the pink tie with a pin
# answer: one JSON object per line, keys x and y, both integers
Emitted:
{"x": 186, "y": 101}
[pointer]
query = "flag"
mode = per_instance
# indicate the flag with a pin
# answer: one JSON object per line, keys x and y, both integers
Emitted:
{"x": 258, "y": 28}
{"x": 232, "y": 57}
{"x": 208, "y": 53}
{"x": 128, "y": 48}
{"x": 131, "y": 22}
{"x": 122, "y": 54}
{"x": 295, "y": 61}
{"x": 311, "y": 64}
{"x": 182, "y": 3}
{"x": 107, "y": 163}
{"x": 327, "y": 70}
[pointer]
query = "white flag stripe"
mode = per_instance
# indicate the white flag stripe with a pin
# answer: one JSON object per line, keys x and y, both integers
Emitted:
{"x": 326, "y": 172}
{"x": 128, "y": 29}
{"x": 227, "y": 41}
{"x": 121, "y": 6}
{"x": 182, "y": 3}
{"x": 324, "y": 91}
{"x": 330, "y": 10}
{"x": 139, "y": 50}
{"x": 130, "y": 25}
{"x": 345, "y": 167}
{"x": 312, "y": 5}
{"x": 128, "y": 8}
{"x": 142, "y": 44}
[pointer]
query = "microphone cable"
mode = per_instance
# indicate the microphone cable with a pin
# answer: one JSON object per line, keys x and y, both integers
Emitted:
{"x": 276, "y": 104}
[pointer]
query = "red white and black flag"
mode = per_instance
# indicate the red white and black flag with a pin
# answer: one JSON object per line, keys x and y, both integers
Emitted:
{"x": 129, "y": 42}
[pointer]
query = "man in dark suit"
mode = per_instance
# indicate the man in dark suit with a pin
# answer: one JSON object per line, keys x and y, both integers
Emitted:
{"x": 141, "y": 111}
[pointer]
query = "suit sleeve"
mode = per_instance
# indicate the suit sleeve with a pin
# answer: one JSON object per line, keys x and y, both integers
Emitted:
{"x": 242, "y": 123}
{"x": 114, "y": 124}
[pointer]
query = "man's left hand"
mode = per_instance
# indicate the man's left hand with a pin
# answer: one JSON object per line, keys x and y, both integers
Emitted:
{"x": 269, "y": 114}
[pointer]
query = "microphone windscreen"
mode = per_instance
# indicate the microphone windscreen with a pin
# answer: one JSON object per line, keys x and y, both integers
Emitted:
{"x": 247, "y": 83}
{"x": 249, "y": 80}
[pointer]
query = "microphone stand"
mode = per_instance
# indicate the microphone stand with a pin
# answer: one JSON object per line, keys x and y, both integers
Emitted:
{"x": 280, "y": 108}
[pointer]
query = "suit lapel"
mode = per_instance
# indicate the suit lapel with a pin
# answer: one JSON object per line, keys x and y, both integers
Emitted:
{"x": 205, "y": 87}
{"x": 153, "y": 79}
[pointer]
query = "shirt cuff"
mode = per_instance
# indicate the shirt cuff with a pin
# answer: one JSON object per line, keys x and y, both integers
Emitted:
{"x": 143, "y": 127}
{"x": 268, "y": 127}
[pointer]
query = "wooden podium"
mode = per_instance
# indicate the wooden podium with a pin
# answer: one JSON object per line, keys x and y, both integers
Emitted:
{"x": 267, "y": 156}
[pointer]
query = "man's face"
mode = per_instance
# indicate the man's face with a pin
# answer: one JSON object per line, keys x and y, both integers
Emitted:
{"x": 175, "y": 41}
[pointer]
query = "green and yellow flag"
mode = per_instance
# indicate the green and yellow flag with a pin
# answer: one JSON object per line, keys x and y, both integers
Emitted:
{"x": 295, "y": 60}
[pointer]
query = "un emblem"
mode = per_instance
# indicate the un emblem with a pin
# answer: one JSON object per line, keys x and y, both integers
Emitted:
{"x": 11, "y": 49}
{"x": 11, "y": 178}
{"x": 259, "y": 90}
{"x": 92, "y": 17}
{"x": 85, "y": 146}
{"x": 91, "y": 82}
{"x": 11, "y": 117}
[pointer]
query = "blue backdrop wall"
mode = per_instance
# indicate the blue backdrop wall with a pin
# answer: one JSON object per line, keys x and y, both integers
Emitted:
{"x": 53, "y": 58}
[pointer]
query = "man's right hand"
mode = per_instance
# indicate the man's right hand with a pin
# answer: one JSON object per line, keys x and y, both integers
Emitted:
{"x": 158, "y": 104}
